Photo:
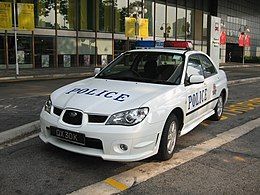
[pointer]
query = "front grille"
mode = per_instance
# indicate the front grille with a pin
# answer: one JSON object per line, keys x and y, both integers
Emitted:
{"x": 57, "y": 111}
{"x": 72, "y": 117}
{"x": 96, "y": 118}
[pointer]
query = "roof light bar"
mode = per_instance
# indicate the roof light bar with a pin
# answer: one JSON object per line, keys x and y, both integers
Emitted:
{"x": 178, "y": 44}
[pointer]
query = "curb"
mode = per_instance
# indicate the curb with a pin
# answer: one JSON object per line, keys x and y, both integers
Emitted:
{"x": 34, "y": 127}
{"x": 18, "y": 132}
{"x": 239, "y": 66}
{"x": 44, "y": 77}
{"x": 244, "y": 81}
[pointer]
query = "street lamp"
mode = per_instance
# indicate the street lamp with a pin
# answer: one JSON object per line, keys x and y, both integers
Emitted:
{"x": 138, "y": 12}
{"x": 243, "y": 32}
{"x": 167, "y": 27}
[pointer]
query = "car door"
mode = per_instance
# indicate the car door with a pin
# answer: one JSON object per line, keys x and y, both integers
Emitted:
{"x": 196, "y": 94}
{"x": 211, "y": 80}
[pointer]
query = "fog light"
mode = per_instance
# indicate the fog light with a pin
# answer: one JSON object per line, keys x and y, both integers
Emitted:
{"x": 123, "y": 147}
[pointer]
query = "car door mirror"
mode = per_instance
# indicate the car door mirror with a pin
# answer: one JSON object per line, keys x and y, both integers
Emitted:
{"x": 196, "y": 79}
{"x": 97, "y": 70}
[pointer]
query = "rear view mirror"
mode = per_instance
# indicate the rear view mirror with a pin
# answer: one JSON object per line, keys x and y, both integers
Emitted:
{"x": 196, "y": 79}
{"x": 97, "y": 70}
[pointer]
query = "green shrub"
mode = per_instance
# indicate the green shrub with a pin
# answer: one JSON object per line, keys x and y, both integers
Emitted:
{"x": 252, "y": 59}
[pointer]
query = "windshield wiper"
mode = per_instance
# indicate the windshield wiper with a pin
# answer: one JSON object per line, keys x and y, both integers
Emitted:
{"x": 136, "y": 79}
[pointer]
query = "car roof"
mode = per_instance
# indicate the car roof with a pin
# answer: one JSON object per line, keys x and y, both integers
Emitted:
{"x": 166, "y": 50}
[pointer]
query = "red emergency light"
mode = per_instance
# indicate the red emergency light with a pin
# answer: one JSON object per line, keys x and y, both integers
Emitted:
{"x": 178, "y": 44}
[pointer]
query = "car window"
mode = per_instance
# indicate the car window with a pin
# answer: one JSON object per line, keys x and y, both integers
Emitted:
{"x": 208, "y": 68}
{"x": 194, "y": 66}
{"x": 153, "y": 67}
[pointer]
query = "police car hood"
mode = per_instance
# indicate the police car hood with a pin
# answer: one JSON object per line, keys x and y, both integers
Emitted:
{"x": 103, "y": 96}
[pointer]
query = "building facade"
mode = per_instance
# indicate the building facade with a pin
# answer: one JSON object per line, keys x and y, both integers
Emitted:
{"x": 74, "y": 33}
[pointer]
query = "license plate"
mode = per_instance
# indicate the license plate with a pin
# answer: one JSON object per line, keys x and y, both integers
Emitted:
{"x": 74, "y": 137}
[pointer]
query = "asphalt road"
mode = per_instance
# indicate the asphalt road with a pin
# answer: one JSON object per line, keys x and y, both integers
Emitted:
{"x": 242, "y": 73}
{"x": 21, "y": 102}
{"x": 32, "y": 167}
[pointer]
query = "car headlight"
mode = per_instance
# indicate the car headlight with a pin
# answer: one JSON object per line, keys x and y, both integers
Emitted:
{"x": 128, "y": 117}
{"x": 48, "y": 105}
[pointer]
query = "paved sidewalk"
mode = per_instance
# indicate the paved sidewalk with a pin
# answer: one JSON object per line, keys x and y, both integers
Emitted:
{"x": 237, "y": 65}
{"x": 45, "y": 73}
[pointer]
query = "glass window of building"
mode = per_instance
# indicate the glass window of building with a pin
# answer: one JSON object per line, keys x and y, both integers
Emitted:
{"x": 120, "y": 47}
{"x": 105, "y": 15}
{"x": 44, "y": 51}
{"x": 205, "y": 32}
{"x": 44, "y": 13}
{"x": 181, "y": 20}
{"x": 66, "y": 14}
{"x": 24, "y": 51}
{"x": 199, "y": 4}
{"x": 66, "y": 48}
{"x": 104, "y": 51}
{"x": 160, "y": 20}
{"x": 87, "y": 15}
{"x": 190, "y": 3}
{"x": 171, "y": 21}
{"x": 205, "y": 23}
{"x": 149, "y": 5}
{"x": 86, "y": 48}
{"x": 121, "y": 11}
{"x": 190, "y": 24}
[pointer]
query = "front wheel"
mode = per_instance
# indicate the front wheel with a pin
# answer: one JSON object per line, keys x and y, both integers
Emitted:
{"x": 169, "y": 138}
{"x": 218, "y": 110}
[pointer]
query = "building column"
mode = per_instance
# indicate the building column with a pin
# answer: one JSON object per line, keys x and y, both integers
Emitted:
{"x": 6, "y": 50}
{"x": 56, "y": 62}
{"x": 33, "y": 51}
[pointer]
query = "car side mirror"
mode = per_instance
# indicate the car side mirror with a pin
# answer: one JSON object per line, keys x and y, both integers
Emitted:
{"x": 196, "y": 79}
{"x": 97, "y": 70}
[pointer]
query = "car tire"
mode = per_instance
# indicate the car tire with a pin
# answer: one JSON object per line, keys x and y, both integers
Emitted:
{"x": 219, "y": 108}
{"x": 169, "y": 138}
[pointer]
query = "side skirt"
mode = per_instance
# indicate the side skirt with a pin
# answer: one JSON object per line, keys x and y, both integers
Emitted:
{"x": 187, "y": 129}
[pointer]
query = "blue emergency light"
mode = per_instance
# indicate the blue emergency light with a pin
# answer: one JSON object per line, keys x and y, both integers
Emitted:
{"x": 144, "y": 44}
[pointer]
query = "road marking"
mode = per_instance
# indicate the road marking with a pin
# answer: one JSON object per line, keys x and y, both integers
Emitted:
{"x": 234, "y": 109}
{"x": 223, "y": 117}
{"x": 148, "y": 170}
{"x": 7, "y": 106}
{"x": 116, "y": 184}
{"x": 228, "y": 113}
{"x": 239, "y": 158}
{"x": 204, "y": 124}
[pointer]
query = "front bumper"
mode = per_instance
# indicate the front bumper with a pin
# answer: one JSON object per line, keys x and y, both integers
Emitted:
{"x": 142, "y": 140}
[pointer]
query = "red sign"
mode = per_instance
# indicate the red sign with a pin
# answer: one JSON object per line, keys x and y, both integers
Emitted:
{"x": 241, "y": 40}
{"x": 223, "y": 38}
{"x": 247, "y": 41}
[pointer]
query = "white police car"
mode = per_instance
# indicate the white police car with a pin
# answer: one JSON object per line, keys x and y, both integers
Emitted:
{"x": 136, "y": 106}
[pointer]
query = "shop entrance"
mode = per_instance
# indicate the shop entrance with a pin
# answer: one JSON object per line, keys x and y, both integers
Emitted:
{"x": 234, "y": 53}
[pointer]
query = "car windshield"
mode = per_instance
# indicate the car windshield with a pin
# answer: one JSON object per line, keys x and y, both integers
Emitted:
{"x": 150, "y": 67}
